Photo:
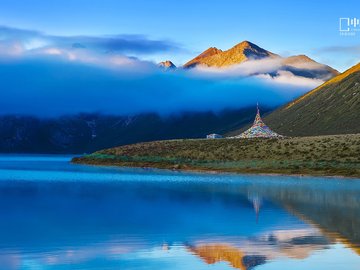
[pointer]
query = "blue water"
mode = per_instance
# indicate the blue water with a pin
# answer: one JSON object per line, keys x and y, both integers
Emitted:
{"x": 57, "y": 215}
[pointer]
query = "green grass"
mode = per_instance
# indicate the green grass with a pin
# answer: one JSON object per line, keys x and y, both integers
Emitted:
{"x": 322, "y": 155}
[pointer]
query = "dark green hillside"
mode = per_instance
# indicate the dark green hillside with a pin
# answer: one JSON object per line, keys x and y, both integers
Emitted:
{"x": 331, "y": 108}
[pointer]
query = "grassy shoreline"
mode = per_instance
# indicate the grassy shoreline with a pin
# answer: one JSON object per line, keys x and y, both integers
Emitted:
{"x": 337, "y": 155}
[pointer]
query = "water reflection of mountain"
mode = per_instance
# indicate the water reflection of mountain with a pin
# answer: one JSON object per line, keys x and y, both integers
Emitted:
{"x": 217, "y": 223}
{"x": 247, "y": 253}
{"x": 243, "y": 221}
{"x": 221, "y": 252}
{"x": 334, "y": 208}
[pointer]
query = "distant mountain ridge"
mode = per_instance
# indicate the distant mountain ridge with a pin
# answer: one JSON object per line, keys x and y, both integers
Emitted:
{"x": 304, "y": 66}
{"x": 90, "y": 132}
{"x": 167, "y": 64}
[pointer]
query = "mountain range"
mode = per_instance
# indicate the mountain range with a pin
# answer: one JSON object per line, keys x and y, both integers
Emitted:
{"x": 85, "y": 133}
{"x": 245, "y": 51}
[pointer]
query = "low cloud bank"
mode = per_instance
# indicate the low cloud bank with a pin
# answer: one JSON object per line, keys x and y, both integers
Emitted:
{"x": 262, "y": 69}
{"x": 48, "y": 76}
{"x": 50, "y": 87}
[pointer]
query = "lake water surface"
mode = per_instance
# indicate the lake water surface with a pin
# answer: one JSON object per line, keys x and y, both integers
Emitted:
{"x": 56, "y": 215}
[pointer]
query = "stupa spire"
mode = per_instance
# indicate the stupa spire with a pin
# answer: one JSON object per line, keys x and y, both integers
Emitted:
{"x": 258, "y": 129}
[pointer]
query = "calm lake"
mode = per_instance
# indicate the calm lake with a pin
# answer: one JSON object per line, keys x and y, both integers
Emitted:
{"x": 56, "y": 215}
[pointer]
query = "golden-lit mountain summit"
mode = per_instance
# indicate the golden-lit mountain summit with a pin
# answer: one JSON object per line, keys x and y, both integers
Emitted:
{"x": 204, "y": 55}
{"x": 241, "y": 52}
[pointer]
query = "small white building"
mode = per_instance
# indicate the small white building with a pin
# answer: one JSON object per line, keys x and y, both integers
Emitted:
{"x": 214, "y": 136}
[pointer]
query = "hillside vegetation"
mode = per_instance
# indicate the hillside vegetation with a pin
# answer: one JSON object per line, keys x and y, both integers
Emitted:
{"x": 331, "y": 108}
{"x": 324, "y": 155}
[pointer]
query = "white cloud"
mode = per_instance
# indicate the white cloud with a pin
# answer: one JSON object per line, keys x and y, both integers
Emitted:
{"x": 266, "y": 69}
{"x": 35, "y": 43}
{"x": 244, "y": 69}
{"x": 11, "y": 49}
{"x": 288, "y": 78}
{"x": 52, "y": 51}
{"x": 123, "y": 90}
{"x": 112, "y": 82}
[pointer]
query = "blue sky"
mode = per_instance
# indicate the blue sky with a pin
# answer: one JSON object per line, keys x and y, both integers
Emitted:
{"x": 283, "y": 27}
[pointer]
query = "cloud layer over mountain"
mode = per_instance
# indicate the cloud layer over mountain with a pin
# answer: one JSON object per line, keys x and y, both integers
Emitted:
{"x": 51, "y": 75}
